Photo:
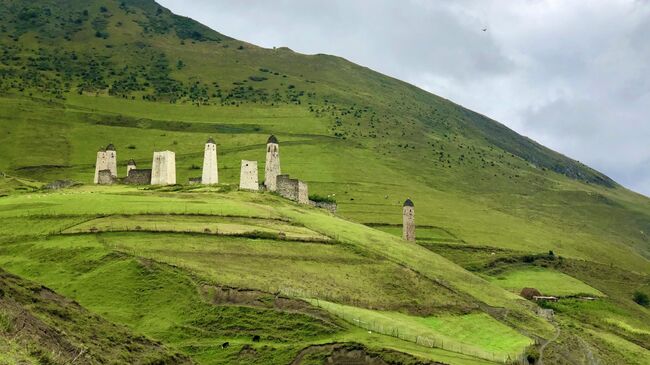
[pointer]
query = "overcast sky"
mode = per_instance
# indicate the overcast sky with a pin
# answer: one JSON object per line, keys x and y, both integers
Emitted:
{"x": 573, "y": 75}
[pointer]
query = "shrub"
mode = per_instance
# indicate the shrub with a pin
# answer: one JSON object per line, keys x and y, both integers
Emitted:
{"x": 321, "y": 199}
{"x": 641, "y": 299}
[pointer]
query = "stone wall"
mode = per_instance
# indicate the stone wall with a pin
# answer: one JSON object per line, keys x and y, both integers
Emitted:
{"x": 248, "y": 176}
{"x": 163, "y": 168}
{"x": 210, "y": 167}
{"x": 292, "y": 189}
{"x": 195, "y": 180}
{"x": 138, "y": 177}
{"x": 105, "y": 177}
{"x": 324, "y": 205}
{"x": 408, "y": 223}
{"x": 272, "y": 167}
{"x": 287, "y": 187}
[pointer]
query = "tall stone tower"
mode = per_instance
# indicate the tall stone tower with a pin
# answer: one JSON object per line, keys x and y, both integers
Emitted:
{"x": 163, "y": 168}
{"x": 210, "y": 169}
{"x": 248, "y": 176}
{"x": 130, "y": 166}
{"x": 106, "y": 160}
{"x": 272, "y": 167}
{"x": 408, "y": 221}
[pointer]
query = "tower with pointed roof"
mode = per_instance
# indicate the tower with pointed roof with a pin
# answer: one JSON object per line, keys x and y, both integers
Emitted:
{"x": 210, "y": 168}
{"x": 272, "y": 167}
{"x": 408, "y": 220}
{"x": 130, "y": 166}
{"x": 106, "y": 160}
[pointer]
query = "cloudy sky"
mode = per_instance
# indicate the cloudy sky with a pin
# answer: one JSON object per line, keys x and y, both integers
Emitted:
{"x": 573, "y": 75}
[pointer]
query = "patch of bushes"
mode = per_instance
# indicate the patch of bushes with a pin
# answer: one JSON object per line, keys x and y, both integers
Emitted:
{"x": 322, "y": 199}
{"x": 641, "y": 299}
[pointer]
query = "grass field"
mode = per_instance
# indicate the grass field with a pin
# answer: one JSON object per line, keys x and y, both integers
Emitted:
{"x": 490, "y": 204}
{"x": 476, "y": 334}
{"x": 152, "y": 281}
{"x": 548, "y": 282}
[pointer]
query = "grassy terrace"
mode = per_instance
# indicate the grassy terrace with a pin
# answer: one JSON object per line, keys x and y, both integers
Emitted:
{"x": 154, "y": 280}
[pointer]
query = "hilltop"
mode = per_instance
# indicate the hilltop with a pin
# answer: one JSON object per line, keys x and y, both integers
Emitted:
{"x": 495, "y": 210}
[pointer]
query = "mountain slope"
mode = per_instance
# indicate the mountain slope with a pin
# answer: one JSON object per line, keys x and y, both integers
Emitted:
{"x": 77, "y": 75}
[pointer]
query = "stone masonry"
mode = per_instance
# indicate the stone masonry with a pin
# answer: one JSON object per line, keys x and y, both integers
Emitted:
{"x": 138, "y": 177}
{"x": 272, "y": 166}
{"x": 106, "y": 160}
{"x": 292, "y": 189}
{"x": 248, "y": 176}
{"x": 105, "y": 177}
{"x": 210, "y": 169}
{"x": 408, "y": 221}
{"x": 163, "y": 168}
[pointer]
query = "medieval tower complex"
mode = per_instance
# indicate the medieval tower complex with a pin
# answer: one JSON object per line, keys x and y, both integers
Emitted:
{"x": 272, "y": 167}
{"x": 210, "y": 169}
{"x": 408, "y": 221}
{"x": 106, "y": 160}
{"x": 163, "y": 168}
{"x": 248, "y": 176}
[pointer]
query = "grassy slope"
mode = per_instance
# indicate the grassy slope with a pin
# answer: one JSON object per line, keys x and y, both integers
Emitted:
{"x": 38, "y": 326}
{"x": 474, "y": 182}
{"x": 111, "y": 275}
{"x": 467, "y": 174}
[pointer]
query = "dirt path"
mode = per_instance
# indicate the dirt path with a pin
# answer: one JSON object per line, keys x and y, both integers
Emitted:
{"x": 543, "y": 347}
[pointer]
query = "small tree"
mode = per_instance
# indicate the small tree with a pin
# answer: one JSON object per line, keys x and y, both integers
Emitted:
{"x": 641, "y": 299}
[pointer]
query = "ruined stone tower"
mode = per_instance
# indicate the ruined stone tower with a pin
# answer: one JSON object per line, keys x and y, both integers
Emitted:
{"x": 210, "y": 168}
{"x": 248, "y": 176}
{"x": 163, "y": 168}
{"x": 408, "y": 219}
{"x": 106, "y": 160}
{"x": 272, "y": 167}
{"x": 130, "y": 166}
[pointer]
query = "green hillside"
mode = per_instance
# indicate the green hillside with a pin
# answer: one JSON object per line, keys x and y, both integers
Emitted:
{"x": 196, "y": 267}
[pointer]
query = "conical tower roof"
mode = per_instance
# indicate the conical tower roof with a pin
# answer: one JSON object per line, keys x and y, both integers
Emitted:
{"x": 408, "y": 203}
{"x": 131, "y": 162}
{"x": 110, "y": 147}
{"x": 272, "y": 139}
{"x": 211, "y": 140}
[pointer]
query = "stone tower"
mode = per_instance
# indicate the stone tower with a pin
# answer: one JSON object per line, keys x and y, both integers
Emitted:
{"x": 408, "y": 219}
{"x": 272, "y": 167}
{"x": 248, "y": 176}
{"x": 210, "y": 170}
{"x": 130, "y": 166}
{"x": 106, "y": 160}
{"x": 163, "y": 168}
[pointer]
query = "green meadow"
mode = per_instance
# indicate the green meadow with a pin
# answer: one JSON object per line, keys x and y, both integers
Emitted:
{"x": 213, "y": 275}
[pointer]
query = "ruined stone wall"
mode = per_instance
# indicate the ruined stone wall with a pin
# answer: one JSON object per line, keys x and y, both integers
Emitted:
{"x": 324, "y": 205}
{"x": 272, "y": 167}
{"x": 195, "y": 180}
{"x": 248, "y": 176}
{"x": 163, "y": 168}
{"x": 138, "y": 177}
{"x": 105, "y": 177}
{"x": 210, "y": 167}
{"x": 287, "y": 187}
{"x": 408, "y": 223}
